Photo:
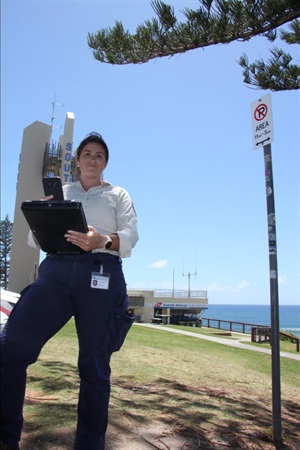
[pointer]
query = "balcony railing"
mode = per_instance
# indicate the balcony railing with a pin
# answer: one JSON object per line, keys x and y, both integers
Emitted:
{"x": 170, "y": 293}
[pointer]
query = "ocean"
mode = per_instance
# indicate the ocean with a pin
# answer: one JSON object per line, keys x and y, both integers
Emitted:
{"x": 289, "y": 316}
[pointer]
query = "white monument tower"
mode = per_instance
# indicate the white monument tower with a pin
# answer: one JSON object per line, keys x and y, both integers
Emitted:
{"x": 38, "y": 158}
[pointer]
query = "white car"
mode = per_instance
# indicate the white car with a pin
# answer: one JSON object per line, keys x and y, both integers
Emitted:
{"x": 8, "y": 301}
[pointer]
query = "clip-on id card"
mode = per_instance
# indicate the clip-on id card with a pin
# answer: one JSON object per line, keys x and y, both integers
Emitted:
{"x": 100, "y": 280}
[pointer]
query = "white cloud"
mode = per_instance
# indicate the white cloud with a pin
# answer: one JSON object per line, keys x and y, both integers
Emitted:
{"x": 282, "y": 279}
{"x": 159, "y": 264}
{"x": 243, "y": 285}
{"x": 216, "y": 287}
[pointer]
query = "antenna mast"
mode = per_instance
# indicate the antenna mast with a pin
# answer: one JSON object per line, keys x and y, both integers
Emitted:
{"x": 189, "y": 281}
{"x": 189, "y": 278}
{"x": 52, "y": 155}
{"x": 54, "y": 103}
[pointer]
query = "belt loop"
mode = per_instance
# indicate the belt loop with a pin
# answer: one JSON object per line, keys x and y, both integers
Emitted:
{"x": 97, "y": 261}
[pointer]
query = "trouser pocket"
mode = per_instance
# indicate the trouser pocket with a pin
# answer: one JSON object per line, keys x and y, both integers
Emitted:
{"x": 120, "y": 325}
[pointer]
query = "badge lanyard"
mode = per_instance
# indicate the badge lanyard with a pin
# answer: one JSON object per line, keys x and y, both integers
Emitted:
{"x": 100, "y": 280}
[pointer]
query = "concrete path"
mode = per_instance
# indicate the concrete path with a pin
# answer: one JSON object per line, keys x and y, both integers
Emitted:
{"x": 225, "y": 341}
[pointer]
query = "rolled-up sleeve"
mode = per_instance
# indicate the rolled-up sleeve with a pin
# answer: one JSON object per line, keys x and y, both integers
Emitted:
{"x": 127, "y": 225}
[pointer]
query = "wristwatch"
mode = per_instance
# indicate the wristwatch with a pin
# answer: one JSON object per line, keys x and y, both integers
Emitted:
{"x": 108, "y": 242}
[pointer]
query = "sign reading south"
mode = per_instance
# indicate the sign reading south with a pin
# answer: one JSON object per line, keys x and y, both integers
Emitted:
{"x": 262, "y": 122}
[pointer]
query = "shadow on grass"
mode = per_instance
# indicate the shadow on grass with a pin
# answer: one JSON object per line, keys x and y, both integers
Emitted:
{"x": 208, "y": 418}
{"x": 50, "y": 406}
{"x": 153, "y": 414}
{"x": 56, "y": 376}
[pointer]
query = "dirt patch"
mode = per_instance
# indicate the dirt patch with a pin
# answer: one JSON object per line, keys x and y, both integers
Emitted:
{"x": 171, "y": 416}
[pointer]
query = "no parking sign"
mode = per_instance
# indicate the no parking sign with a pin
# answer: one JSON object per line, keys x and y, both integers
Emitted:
{"x": 262, "y": 121}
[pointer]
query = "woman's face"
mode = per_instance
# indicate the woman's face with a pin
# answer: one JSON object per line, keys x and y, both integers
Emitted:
{"x": 92, "y": 161}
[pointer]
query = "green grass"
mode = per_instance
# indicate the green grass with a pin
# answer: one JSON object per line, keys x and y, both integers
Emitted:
{"x": 162, "y": 375}
{"x": 168, "y": 350}
{"x": 285, "y": 345}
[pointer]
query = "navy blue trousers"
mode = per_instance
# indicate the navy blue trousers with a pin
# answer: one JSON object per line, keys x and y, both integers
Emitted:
{"x": 62, "y": 290}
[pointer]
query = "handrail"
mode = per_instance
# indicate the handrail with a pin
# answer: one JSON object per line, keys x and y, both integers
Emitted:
{"x": 292, "y": 338}
{"x": 231, "y": 323}
{"x": 266, "y": 334}
{"x": 170, "y": 293}
{"x": 245, "y": 325}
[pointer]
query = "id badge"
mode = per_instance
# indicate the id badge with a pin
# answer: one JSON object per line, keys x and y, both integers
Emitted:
{"x": 100, "y": 280}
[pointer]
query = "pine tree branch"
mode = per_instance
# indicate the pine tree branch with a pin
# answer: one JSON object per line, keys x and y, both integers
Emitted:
{"x": 278, "y": 74}
{"x": 294, "y": 36}
{"x": 214, "y": 22}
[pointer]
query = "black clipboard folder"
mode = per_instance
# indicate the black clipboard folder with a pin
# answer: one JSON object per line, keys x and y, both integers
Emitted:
{"x": 50, "y": 221}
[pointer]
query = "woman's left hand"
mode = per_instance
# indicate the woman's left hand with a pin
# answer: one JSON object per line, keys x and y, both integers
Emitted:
{"x": 87, "y": 241}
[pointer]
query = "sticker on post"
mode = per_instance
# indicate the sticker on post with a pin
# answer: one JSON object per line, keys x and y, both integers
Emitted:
{"x": 100, "y": 281}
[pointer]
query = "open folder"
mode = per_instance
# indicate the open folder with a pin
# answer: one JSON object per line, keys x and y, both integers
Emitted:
{"x": 50, "y": 221}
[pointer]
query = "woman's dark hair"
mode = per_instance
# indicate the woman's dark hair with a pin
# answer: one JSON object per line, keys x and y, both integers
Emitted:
{"x": 93, "y": 137}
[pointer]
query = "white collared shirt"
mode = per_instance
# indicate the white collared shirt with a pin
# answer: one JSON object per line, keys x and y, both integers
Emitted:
{"x": 109, "y": 210}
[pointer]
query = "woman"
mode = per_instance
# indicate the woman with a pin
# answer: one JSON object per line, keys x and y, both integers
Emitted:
{"x": 89, "y": 286}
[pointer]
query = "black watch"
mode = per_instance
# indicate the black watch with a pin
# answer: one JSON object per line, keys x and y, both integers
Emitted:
{"x": 108, "y": 242}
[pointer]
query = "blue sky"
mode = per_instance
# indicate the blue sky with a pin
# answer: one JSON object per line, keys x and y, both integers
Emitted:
{"x": 180, "y": 137}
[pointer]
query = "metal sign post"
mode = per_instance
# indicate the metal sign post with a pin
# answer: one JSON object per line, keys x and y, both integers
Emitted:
{"x": 275, "y": 333}
{"x": 262, "y": 137}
